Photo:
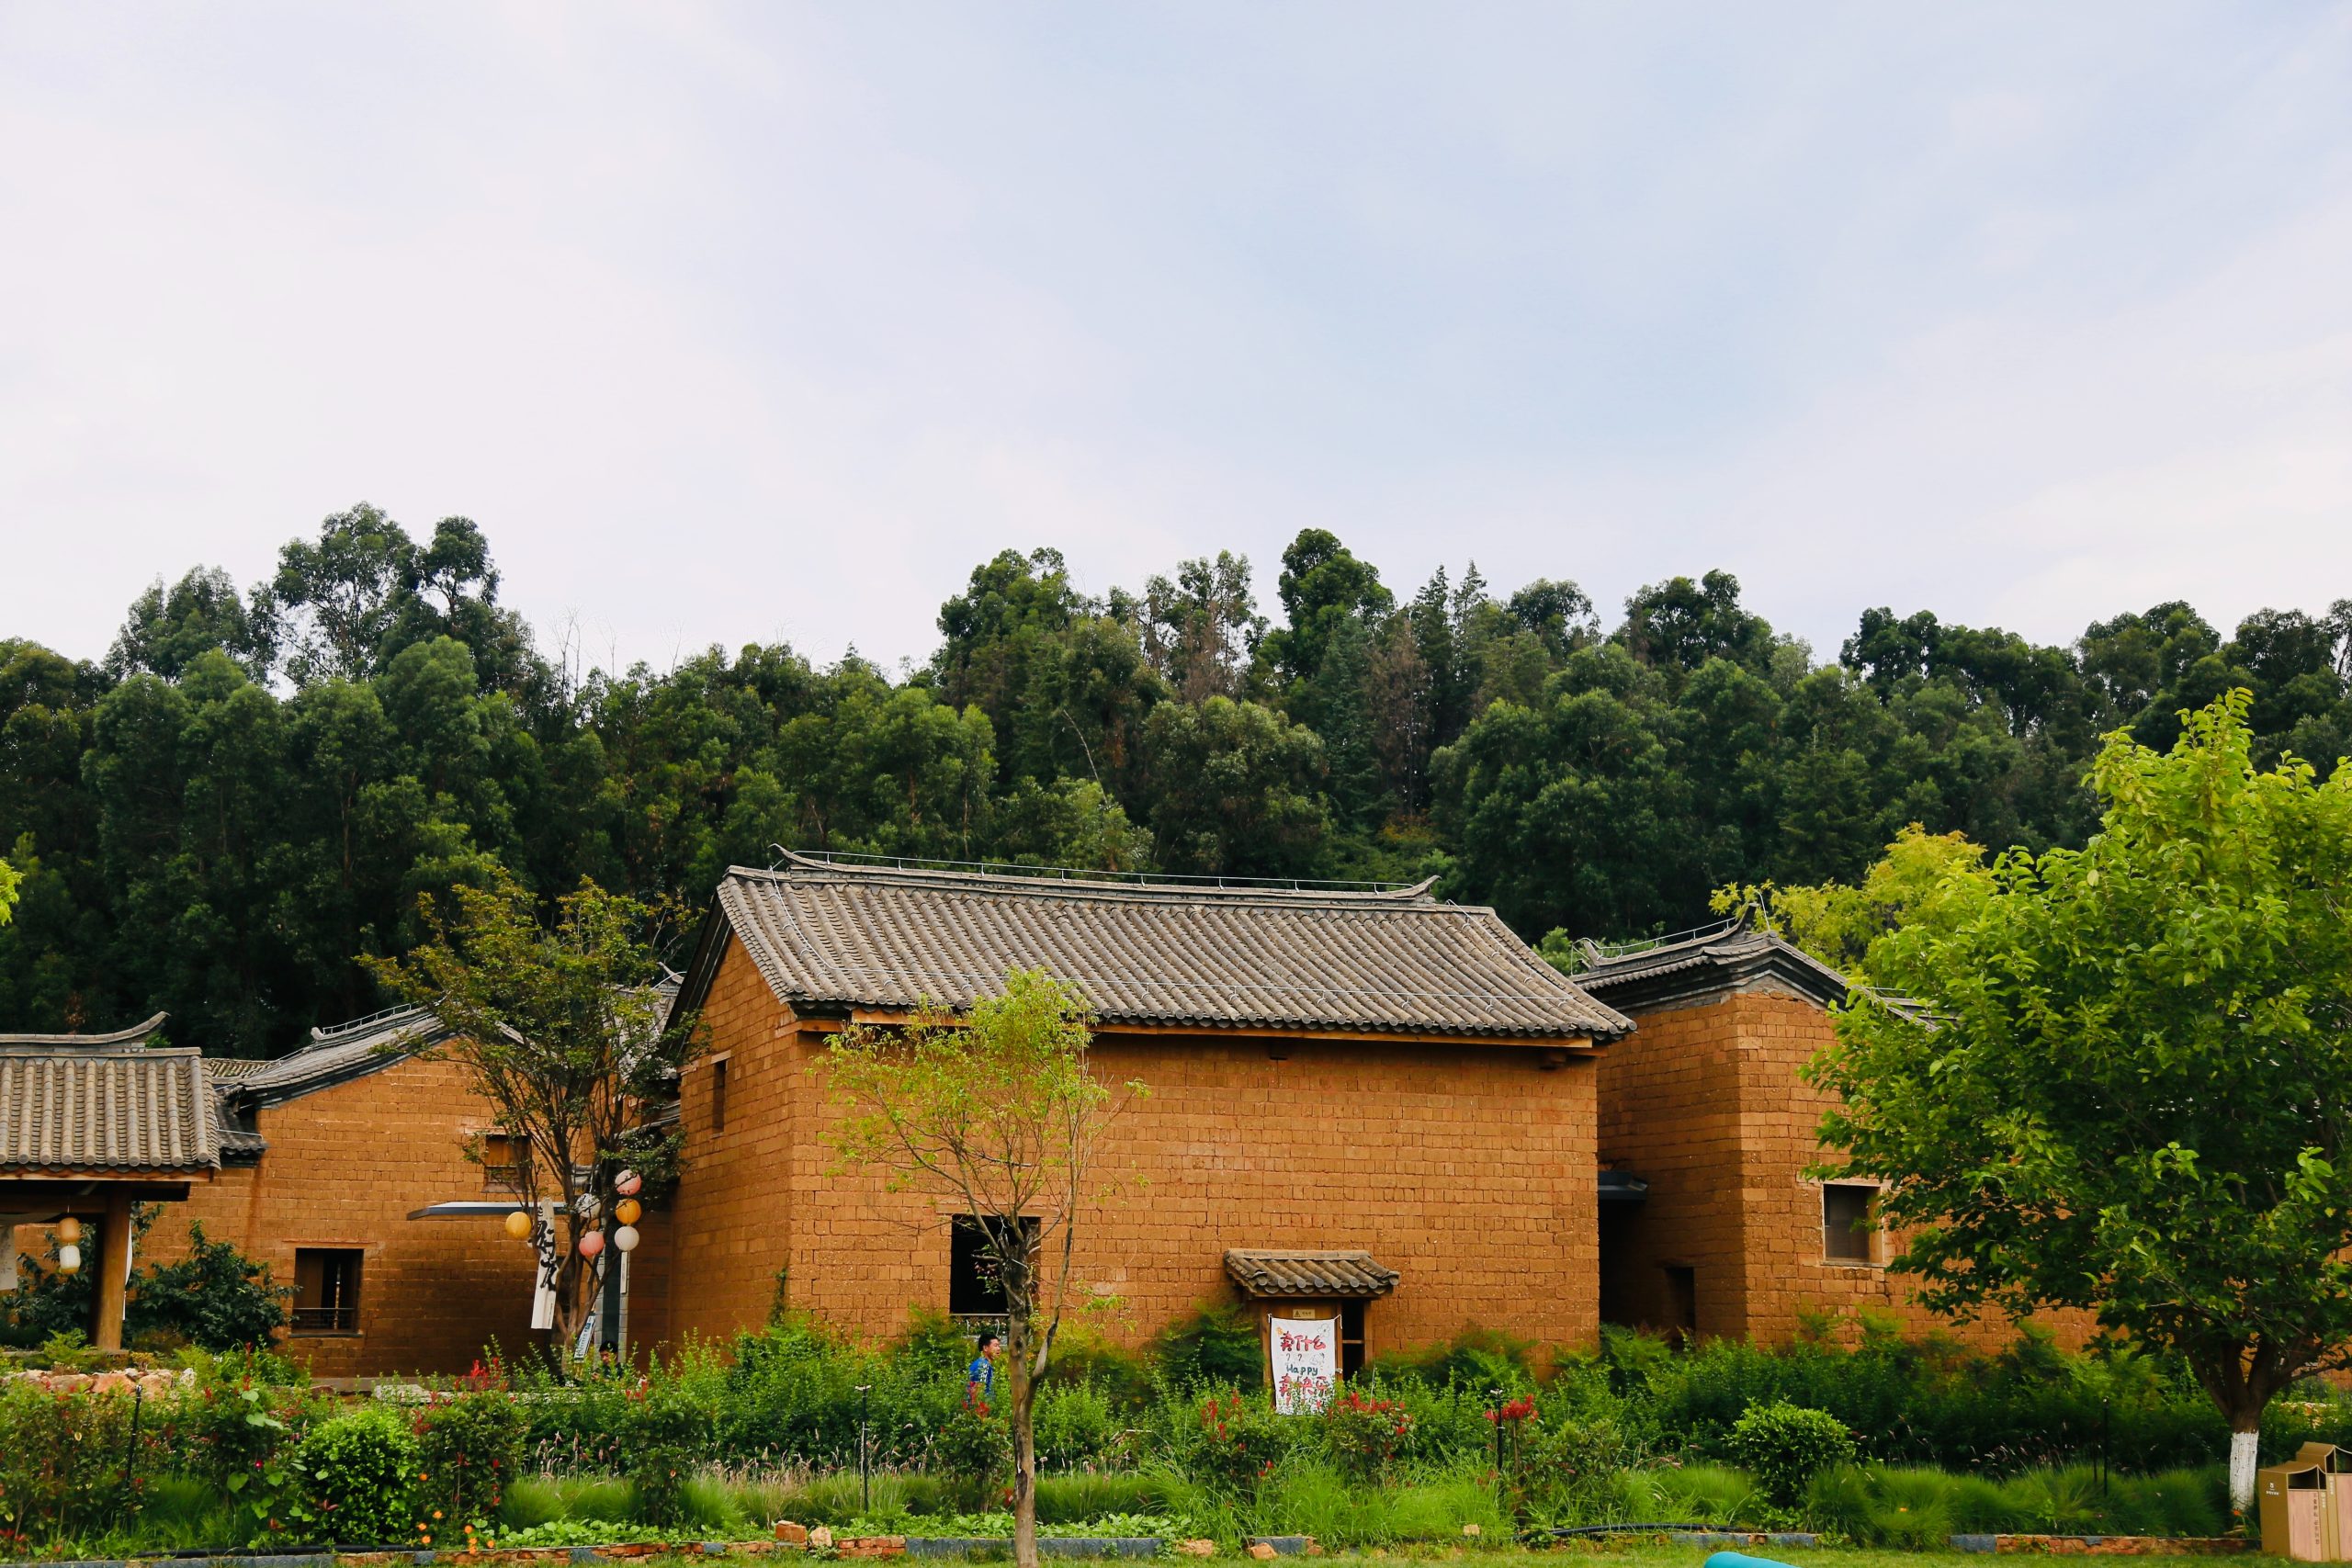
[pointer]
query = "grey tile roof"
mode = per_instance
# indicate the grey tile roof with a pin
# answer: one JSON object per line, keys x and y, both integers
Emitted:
{"x": 826, "y": 935}
{"x": 105, "y": 1102}
{"x": 345, "y": 1052}
{"x": 1731, "y": 954}
{"x": 1304, "y": 1276}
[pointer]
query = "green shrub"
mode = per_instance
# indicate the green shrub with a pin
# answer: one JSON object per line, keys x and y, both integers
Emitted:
{"x": 1477, "y": 1359}
{"x": 1365, "y": 1435}
{"x": 1074, "y": 1424}
{"x": 1784, "y": 1445}
{"x": 1216, "y": 1347}
{"x": 352, "y": 1483}
{"x": 469, "y": 1449}
{"x": 973, "y": 1449}
{"x": 666, "y": 1435}
{"x": 1232, "y": 1443}
{"x": 215, "y": 1297}
{"x": 62, "y": 1462}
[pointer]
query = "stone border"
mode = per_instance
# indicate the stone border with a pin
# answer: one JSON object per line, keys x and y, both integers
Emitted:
{"x": 2106, "y": 1545}
{"x": 1742, "y": 1538}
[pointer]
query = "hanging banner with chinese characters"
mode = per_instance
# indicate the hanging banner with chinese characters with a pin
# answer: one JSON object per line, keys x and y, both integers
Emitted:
{"x": 1306, "y": 1352}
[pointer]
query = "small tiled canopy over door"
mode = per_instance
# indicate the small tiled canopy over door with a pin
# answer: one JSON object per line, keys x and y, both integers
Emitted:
{"x": 1313, "y": 1285}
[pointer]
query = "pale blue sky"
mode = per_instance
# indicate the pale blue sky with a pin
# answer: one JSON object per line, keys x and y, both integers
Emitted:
{"x": 734, "y": 324}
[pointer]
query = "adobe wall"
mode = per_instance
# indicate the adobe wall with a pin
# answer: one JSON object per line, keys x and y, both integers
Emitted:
{"x": 1669, "y": 1112}
{"x": 344, "y": 1167}
{"x": 1469, "y": 1169}
{"x": 1707, "y": 1102}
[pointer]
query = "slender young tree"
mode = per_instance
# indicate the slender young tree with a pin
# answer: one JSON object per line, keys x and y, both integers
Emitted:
{"x": 2121, "y": 1079}
{"x": 998, "y": 1111}
{"x": 559, "y": 1026}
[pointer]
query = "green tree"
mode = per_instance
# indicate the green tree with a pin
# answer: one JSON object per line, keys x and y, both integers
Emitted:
{"x": 558, "y": 1025}
{"x": 2116, "y": 1080}
{"x": 999, "y": 1112}
{"x": 1234, "y": 788}
{"x": 1838, "y": 922}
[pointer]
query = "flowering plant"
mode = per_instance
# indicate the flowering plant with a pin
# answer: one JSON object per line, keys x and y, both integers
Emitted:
{"x": 1366, "y": 1436}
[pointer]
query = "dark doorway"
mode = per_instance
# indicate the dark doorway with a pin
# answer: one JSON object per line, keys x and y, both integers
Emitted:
{"x": 1681, "y": 1302}
{"x": 1350, "y": 1338}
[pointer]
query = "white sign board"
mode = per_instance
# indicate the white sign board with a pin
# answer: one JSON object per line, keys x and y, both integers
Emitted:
{"x": 1306, "y": 1352}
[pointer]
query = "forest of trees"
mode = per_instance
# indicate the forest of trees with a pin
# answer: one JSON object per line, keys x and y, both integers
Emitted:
{"x": 251, "y": 789}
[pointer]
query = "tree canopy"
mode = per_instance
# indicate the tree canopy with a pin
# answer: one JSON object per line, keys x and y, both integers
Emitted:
{"x": 2119, "y": 1078}
{"x": 246, "y": 794}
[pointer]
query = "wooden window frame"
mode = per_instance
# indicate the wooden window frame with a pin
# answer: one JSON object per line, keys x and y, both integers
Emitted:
{"x": 1862, "y": 1238}
{"x": 339, "y": 1318}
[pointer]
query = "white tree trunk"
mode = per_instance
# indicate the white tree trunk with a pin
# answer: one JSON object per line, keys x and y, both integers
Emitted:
{"x": 2242, "y": 1464}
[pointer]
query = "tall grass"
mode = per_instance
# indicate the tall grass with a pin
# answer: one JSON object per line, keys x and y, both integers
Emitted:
{"x": 1907, "y": 1506}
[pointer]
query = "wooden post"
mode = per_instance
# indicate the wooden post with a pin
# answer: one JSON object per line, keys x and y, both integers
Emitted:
{"x": 114, "y": 1266}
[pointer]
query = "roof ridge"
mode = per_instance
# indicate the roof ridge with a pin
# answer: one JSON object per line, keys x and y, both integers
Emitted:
{"x": 356, "y": 1028}
{"x": 136, "y": 1033}
{"x": 803, "y": 868}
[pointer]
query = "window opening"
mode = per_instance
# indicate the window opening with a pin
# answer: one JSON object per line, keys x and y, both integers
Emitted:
{"x": 1844, "y": 1222}
{"x": 326, "y": 1290}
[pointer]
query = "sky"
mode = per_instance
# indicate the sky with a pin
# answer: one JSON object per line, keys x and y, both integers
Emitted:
{"x": 760, "y": 322}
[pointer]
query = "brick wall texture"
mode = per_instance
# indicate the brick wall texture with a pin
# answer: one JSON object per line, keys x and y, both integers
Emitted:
{"x": 1468, "y": 1167}
{"x": 1706, "y": 1102}
{"x": 344, "y": 1167}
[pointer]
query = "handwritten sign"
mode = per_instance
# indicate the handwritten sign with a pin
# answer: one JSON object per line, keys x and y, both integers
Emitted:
{"x": 1306, "y": 1352}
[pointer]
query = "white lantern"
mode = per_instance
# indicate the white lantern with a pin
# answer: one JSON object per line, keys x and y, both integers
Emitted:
{"x": 625, "y": 1238}
{"x": 69, "y": 1259}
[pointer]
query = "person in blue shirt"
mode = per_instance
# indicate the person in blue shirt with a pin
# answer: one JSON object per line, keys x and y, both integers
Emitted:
{"x": 979, "y": 1378}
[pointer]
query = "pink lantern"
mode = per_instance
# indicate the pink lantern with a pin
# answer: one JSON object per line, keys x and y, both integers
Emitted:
{"x": 628, "y": 1183}
{"x": 592, "y": 1244}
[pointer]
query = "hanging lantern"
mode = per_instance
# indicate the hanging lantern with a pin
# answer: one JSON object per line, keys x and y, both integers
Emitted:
{"x": 585, "y": 1205}
{"x": 592, "y": 1244}
{"x": 69, "y": 1230}
{"x": 518, "y": 1225}
{"x": 625, "y": 1238}
{"x": 69, "y": 1259}
{"x": 627, "y": 1209}
{"x": 627, "y": 1183}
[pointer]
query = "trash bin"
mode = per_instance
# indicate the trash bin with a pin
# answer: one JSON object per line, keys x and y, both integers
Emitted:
{"x": 2298, "y": 1508}
{"x": 2336, "y": 1465}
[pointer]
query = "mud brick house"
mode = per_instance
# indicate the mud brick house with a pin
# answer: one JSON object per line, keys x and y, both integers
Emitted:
{"x": 1368, "y": 1105}
{"x": 1710, "y": 1224}
{"x": 327, "y": 1152}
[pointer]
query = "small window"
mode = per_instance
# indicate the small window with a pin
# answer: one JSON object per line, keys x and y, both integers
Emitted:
{"x": 975, "y": 1277}
{"x": 1846, "y": 1222}
{"x": 502, "y": 1158}
{"x": 719, "y": 1096}
{"x": 326, "y": 1290}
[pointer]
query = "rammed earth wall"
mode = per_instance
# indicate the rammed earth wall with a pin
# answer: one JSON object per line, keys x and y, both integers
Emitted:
{"x": 346, "y": 1166}
{"x": 1468, "y": 1166}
